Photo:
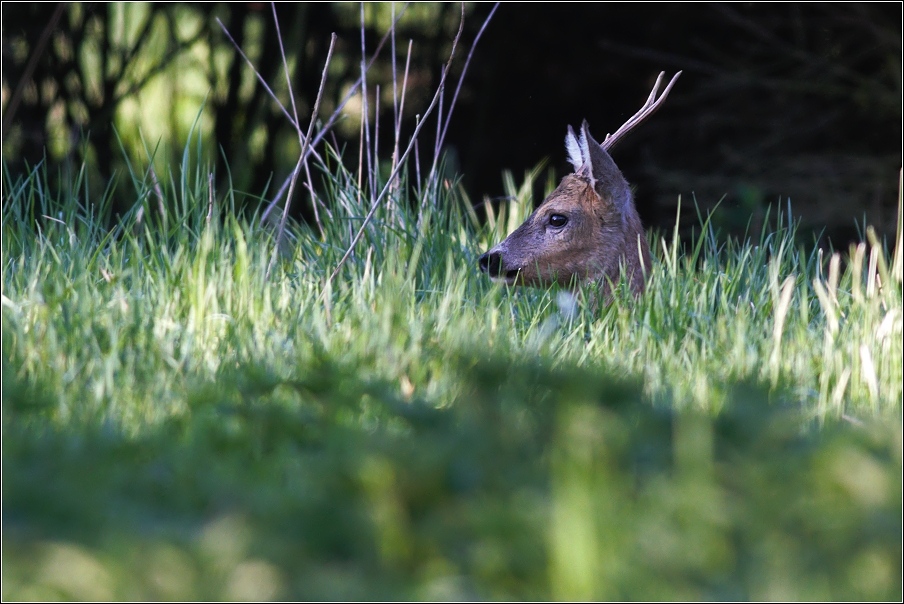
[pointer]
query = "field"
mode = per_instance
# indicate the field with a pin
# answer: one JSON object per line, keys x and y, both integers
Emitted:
{"x": 189, "y": 416}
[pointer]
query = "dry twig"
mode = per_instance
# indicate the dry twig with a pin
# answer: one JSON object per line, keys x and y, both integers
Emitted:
{"x": 411, "y": 145}
{"x": 302, "y": 155}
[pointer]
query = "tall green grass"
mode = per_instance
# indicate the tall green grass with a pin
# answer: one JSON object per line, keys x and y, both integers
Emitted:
{"x": 177, "y": 424}
{"x": 113, "y": 315}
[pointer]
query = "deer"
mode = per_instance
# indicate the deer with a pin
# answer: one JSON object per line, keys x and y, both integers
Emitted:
{"x": 588, "y": 229}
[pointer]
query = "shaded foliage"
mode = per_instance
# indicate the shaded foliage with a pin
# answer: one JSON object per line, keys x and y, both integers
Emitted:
{"x": 98, "y": 56}
{"x": 338, "y": 476}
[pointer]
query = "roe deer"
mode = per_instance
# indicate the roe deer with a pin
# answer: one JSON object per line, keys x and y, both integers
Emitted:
{"x": 588, "y": 228}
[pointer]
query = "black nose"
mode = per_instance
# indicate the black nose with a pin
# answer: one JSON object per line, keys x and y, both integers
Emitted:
{"x": 490, "y": 263}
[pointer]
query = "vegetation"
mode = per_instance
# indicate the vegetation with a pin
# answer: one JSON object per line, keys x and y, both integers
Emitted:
{"x": 777, "y": 100}
{"x": 178, "y": 425}
{"x": 201, "y": 401}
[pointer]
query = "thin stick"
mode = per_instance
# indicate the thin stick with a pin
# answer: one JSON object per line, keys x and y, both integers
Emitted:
{"x": 360, "y": 153}
{"x": 395, "y": 152}
{"x": 289, "y": 181}
{"x": 417, "y": 159}
{"x": 354, "y": 88}
{"x": 465, "y": 70}
{"x": 30, "y": 68}
{"x": 302, "y": 156}
{"x": 439, "y": 122}
{"x": 395, "y": 105}
{"x": 365, "y": 112}
{"x": 442, "y": 137}
{"x": 282, "y": 50}
{"x": 436, "y": 141}
{"x": 395, "y": 87}
{"x": 348, "y": 95}
{"x": 260, "y": 78}
{"x": 333, "y": 118}
{"x": 417, "y": 130}
{"x": 376, "y": 132}
{"x": 301, "y": 137}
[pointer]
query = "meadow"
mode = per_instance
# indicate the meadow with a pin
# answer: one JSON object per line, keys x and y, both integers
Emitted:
{"x": 189, "y": 415}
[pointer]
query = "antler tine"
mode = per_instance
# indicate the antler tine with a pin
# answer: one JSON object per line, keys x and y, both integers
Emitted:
{"x": 648, "y": 109}
{"x": 652, "y": 96}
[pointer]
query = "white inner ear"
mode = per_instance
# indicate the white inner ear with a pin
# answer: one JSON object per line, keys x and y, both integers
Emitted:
{"x": 574, "y": 151}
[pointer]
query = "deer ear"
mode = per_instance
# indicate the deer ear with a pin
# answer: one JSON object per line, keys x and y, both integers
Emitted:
{"x": 579, "y": 154}
{"x": 605, "y": 176}
{"x": 574, "y": 150}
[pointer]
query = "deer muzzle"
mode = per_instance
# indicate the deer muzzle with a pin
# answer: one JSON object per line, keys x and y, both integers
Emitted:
{"x": 491, "y": 264}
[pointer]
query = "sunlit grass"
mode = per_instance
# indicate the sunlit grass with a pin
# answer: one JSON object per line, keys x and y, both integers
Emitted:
{"x": 96, "y": 313}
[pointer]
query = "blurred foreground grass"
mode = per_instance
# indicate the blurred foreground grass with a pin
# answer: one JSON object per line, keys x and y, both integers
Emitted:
{"x": 178, "y": 426}
{"x": 535, "y": 483}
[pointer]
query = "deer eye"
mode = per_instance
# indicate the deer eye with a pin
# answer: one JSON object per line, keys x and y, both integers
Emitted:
{"x": 558, "y": 220}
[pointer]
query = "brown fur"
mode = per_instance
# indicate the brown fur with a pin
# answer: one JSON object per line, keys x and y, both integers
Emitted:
{"x": 602, "y": 235}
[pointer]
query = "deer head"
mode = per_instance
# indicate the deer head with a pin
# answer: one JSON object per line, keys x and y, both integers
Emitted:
{"x": 588, "y": 228}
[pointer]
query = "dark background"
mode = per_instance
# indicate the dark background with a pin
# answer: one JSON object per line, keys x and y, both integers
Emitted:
{"x": 777, "y": 101}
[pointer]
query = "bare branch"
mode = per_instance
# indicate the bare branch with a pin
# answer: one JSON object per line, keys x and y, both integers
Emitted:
{"x": 351, "y": 92}
{"x": 376, "y": 165}
{"x": 282, "y": 51}
{"x": 30, "y": 68}
{"x": 260, "y": 78}
{"x": 395, "y": 86}
{"x": 361, "y": 154}
{"x": 395, "y": 100}
{"x": 365, "y": 114}
{"x": 398, "y": 124}
{"x": 464, "y": 71}
{"x": 302, "y": 155}
{"x": 311, "y": 149}
{"x": 439, "y": 127}
{"x": 301, "y": 137}
{"x": 417, "y": 161}
{"x": 395, "y": 172}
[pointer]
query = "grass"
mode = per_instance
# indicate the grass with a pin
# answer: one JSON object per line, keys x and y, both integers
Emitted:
{"x": 177, "y": 425}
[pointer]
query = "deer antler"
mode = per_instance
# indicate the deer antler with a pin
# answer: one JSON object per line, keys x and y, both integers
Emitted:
{"x": 648, "y": 109}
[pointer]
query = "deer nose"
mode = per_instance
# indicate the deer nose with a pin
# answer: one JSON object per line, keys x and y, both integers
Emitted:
{"x": 490, "y": 263}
